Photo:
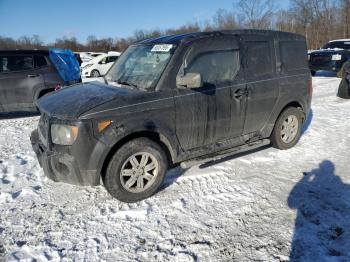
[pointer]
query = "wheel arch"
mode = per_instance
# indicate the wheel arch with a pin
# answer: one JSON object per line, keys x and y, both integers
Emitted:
{"x": 267, "y": 129}
{"x": 295, "y": 104}
{"x": 156, "y": 137}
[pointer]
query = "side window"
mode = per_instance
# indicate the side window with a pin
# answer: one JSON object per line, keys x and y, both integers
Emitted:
{"x": 259, "y": 60}
{"x": 16, "y": 63}
{"x": 3, "y": 64}
{"x": 293, "y": 55}
{"x": 111, "y": 59}
{"x": 40, "y": 61}
{"x": 215, "y": 66}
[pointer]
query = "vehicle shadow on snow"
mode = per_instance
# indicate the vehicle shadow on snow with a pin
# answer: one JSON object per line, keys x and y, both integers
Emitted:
{"x": 322, "y": 226}
{"x": 307, "y": 122}
{"x": 322, "y": 73}
{"x": 12, "y": 115}
{"x": 177, "y": 171}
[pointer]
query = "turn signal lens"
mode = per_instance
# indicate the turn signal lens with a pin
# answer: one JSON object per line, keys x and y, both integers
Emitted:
{"x": 103, "y": 125}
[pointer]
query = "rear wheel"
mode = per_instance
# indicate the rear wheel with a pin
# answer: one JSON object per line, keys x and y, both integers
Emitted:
{"x": 95, "y": 73}
{"x": 136, "y": 171}
{"x": 287, "y": 130}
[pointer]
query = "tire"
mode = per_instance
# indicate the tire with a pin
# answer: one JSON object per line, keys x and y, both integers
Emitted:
{"x": 292, "y": 135}
{"x": 95, "y": 73}
{"x": 341, "y": 72}
{"x": 117, "y": 185}
{"x": 313, "y": 73}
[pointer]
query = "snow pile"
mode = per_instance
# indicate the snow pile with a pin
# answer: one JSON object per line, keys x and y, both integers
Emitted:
{"x": 269, "y": 205}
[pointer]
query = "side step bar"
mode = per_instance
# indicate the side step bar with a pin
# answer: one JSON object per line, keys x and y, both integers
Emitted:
{"x": 223, "y": 154}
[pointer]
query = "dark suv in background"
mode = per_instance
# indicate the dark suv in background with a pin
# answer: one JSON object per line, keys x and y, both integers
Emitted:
{"x": 26, "y": 75}
{"x": 183, "y": 99}
{"x": 331, "y": 57}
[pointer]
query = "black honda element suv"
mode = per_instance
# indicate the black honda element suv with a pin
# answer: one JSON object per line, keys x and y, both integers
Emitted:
{"x": 186, "y": 99}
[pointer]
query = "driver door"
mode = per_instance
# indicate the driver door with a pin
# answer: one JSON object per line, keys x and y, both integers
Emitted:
{"x": 214, "y": 112}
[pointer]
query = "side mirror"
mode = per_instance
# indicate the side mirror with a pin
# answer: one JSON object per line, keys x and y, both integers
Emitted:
{"x": 190, "y": 80}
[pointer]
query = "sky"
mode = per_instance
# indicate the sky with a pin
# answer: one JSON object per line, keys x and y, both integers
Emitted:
{"x": 51, "y": 19}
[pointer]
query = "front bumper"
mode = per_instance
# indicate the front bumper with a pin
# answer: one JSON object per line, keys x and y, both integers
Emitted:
{"x": 60, "y": 166}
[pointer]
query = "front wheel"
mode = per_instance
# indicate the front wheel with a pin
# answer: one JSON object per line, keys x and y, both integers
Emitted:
{"x": 95, "y": 73}
{"x": 136, "y": 171}
{"x": 287, "y": 130}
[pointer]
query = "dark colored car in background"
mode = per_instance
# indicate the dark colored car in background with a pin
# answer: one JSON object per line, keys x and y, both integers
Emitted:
{"x": 176, "y": 99}
{"x": 331, "y": 57}
{"x": 26, "y": 75}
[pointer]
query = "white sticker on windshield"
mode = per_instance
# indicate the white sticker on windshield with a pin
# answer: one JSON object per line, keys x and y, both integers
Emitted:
{"x": 162, "y": 48}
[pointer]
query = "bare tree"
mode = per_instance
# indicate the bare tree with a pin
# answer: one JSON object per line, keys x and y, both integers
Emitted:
{"x": 345, "y": 17}
{"x": 319, "y": 20}
{"x": 257, "y": 13}
{"x": 224, "y": 20}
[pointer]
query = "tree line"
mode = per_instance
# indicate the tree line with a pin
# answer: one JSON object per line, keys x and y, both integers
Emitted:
{"x": 318, "y": 20}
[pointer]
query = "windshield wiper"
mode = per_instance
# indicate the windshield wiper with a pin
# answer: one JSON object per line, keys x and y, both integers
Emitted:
{"x": 126, "y": 84}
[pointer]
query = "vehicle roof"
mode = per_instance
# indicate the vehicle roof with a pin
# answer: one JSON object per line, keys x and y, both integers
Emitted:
{"x": 340, "y": 40}
{"x": 174, "y": 39}
{"x": 25, "y": 51}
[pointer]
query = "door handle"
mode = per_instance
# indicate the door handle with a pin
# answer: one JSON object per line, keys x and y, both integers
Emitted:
{"x": 32, "y": 76}
{"x": 240, "y": 93}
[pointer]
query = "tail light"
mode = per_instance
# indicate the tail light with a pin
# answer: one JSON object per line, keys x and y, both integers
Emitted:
{"x": 58, "y": 87}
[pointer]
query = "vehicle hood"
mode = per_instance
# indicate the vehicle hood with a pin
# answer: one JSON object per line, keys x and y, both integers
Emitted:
{"x": 69, "y": 103}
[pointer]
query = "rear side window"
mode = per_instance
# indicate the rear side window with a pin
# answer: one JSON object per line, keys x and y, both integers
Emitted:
{"x": 40, "y": 61}
{"x": 293, "y": 55}
{"x": 215, "y": 66}
{"x": 259, "y": 60}
{"x": 16, "y": 63}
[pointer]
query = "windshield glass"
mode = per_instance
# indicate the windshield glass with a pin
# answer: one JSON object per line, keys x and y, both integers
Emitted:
{"x": 337, "y": 45}
{"x": 140, "y": 66}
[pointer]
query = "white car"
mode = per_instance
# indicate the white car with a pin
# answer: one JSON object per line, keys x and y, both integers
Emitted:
{"x": 99, "y": 66}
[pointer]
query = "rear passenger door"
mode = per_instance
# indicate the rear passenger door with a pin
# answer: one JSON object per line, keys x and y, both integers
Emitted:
{"x": 262, "y": 82}
{"x": 18, "y": 81}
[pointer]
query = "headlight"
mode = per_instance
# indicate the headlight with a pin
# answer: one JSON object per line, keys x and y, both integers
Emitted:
{"x": 87, "y": 66}
{"x": 63, "y": 134}
{"x": 336, "y": 57}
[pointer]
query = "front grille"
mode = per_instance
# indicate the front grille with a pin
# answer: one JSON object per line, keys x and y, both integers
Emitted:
{"x": 43, "y": 129}
{"x": 324, "y": 59}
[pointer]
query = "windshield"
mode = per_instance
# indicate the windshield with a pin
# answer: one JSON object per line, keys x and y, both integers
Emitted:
{"x": 141, "y": 66}
{"x": 337, "y": 45}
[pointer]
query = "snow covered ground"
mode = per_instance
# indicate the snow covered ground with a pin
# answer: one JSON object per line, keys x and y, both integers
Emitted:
{"x": 269, "y": 205}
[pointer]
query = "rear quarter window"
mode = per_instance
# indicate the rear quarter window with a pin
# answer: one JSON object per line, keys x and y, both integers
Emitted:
{"x": 293, "y": 55}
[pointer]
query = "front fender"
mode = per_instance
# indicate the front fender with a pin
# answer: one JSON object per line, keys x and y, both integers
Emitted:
{"x": 118, "y": 134}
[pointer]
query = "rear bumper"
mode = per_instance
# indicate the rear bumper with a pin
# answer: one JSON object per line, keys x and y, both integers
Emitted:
{"x": 60, "y": 166}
